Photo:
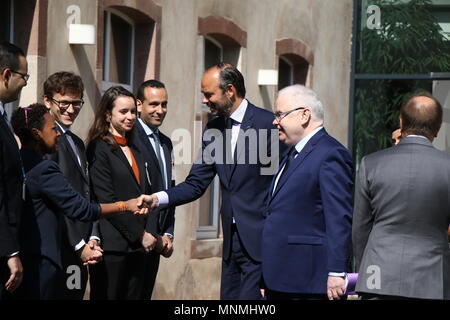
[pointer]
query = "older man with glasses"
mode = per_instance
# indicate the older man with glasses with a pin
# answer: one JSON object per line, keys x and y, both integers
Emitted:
{"x": 306, "y": 239}
{"x": 63, "y": 95}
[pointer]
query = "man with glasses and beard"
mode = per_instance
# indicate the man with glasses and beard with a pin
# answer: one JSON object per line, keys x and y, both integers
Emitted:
{"x": 63, "y": 95}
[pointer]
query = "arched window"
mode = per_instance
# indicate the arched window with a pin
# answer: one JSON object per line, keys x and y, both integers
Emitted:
{"x": 118, "y": 50}
{"x": 295, "y": 62}
{"x": 129, "y": 42}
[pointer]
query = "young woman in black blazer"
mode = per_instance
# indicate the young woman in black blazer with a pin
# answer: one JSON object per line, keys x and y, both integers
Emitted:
{"x": 117, "y": 171}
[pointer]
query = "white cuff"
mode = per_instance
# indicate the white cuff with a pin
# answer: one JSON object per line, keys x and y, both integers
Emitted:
{"x": 337, "y": 274}
{"x": 13, "y": 254}
{"x": 80, "y": 245}
{"x": 163, "y": 198}
{"x": 95, "y": 238}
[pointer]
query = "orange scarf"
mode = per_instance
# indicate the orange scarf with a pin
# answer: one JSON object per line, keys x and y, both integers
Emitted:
{"x": 123, "y": 142}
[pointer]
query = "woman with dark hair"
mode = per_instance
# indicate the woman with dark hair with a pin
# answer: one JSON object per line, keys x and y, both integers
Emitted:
{"x": 47, "y": 194}
{"x": 118, "y": 172}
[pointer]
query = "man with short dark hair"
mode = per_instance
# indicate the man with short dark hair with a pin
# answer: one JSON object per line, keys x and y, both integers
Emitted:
{"x": 156, "y": 148}
{"x": 63, "y": 95}
{"x": 13, "y": 77}
{"x": 242, "y": 132}
{"x": 402, "y": 211}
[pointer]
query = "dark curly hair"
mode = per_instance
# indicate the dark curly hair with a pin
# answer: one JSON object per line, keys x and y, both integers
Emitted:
{"x": 23, "y": 120}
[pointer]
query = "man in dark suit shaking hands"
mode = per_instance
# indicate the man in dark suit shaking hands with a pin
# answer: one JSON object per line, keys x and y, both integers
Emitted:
{"x": 13, "y": 77}
{"x": 307, "y": 235}
{"x": 243, "y": 180}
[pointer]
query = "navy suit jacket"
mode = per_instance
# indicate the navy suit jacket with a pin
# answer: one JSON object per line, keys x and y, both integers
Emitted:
{"x": 307, "y": 233}
{"x": 163, "y": 220}
{"x": 11, "y": 179}
{"x": 78, "y": 178}
{"x": 49, "y": 195}
{"x": 244, "y": 188}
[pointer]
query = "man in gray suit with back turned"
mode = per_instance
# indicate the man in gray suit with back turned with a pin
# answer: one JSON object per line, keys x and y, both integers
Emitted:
{"x": 402, "y": 212}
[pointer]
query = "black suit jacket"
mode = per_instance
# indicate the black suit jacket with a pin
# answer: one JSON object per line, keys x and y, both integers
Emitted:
{"x": 161, "y": 221}
{"x": 78, "y": 178}
{"x": 112, "y": 180}
{"x": 49, "y": 197}
{"x": 11, "y": 181}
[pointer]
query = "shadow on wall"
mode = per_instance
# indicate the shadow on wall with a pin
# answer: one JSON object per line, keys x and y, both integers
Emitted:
{"x": 264, "y": 92}
{"x": 86, "y": 72}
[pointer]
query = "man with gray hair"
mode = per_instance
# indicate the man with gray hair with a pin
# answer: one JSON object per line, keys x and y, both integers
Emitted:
{"x": 307, "y": 234}
{"x": 402, "y": 212}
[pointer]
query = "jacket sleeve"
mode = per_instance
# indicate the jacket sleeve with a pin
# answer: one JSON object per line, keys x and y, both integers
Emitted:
{"x": 102, "y": 184}
{"x": 202, "y": 173}
{"x": 55, "y": 188}
{"x": 362, "y": 215}
{"x": 336, "y": 184}
{"x": 8, "y": 233}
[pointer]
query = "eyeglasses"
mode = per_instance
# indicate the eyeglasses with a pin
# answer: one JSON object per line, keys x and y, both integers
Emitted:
{"x": 280, "y": 115}
{"x": 64, "y": 105}
{"x": 24, "y": 76}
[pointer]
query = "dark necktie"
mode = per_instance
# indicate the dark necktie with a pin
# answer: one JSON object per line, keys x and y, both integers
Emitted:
{"x": 155, "y": 138}
{"x": 291, "y": 156}
{"x": 5, "y": 116}
{"x": 228, "y": 137}
{"x": 73, "y": 146}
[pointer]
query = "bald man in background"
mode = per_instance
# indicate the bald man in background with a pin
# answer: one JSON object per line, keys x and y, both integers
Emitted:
{"x": 402, "y": 212}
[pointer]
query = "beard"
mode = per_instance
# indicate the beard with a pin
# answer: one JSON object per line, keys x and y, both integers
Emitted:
{"x": 221, "y": 109}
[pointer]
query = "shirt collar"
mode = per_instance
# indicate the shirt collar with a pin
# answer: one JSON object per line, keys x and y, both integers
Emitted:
{"x": 62, "y": 127}
{"x": 147, "y": 129}
{"x": 239, "y": 113}
{"x": 302, "y": 143}
{"x": 417, "y": 136}
{"x": 2, "y": 110}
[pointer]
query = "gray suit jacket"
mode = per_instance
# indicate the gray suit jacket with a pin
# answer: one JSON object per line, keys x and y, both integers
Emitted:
{"x": 400, "y": 221}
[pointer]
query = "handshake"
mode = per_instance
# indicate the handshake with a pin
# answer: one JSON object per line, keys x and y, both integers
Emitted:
{"x": 142, "y": 205}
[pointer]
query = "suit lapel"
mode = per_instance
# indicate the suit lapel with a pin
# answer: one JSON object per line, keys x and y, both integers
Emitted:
{"x": 7, "y": 131}
{"x": 119, "y": 154}
{"x": 145, "y": 139}
{"x": 167, "y": 158}
{"x": 67, "y": 148}
{"x": 306, "y": 151}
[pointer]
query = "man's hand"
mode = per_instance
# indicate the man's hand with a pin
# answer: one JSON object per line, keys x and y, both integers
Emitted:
{"x": 148, "y": 241}
{"x": 91, "y": 253}
{"x": 335, "y": 287}
{"x": 138, "y": 205}
{"x": 151, "y": 201}
{"x": 16, "y": 270}
{"x": 168, "y": 246}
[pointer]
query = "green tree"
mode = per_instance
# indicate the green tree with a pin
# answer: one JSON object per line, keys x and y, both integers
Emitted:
{"x": 409, "y": 41}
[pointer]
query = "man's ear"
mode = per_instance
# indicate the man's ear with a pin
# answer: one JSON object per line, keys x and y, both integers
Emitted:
{"x": 230, "y": 92}
{"x": 47, "y": 102}
{"x": 139, "y": 105}
{"x": 5, "y": 76}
